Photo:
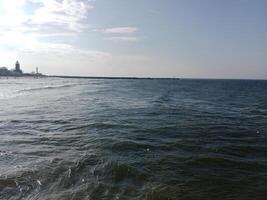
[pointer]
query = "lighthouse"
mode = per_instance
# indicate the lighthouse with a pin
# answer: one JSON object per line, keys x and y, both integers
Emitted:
{"x": 17, "y": 68}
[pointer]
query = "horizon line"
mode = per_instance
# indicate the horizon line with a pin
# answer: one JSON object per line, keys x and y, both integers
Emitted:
{"x": 140, "y": 77}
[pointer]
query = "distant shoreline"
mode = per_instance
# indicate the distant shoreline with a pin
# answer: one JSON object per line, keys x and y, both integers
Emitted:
{"x": 125, "y": 78}
{"x": 84, "y": 77}
{"x": 106, "y": 77}
{"x": 24, "y": 76}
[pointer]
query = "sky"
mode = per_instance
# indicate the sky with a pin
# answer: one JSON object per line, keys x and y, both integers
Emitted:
{"x": 138, "y": 38}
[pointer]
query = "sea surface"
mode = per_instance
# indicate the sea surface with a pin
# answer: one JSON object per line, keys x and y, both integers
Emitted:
{"x": 79, "y": 139}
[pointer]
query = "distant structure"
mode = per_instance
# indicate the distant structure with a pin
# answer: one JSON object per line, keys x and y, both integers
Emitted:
{"x": 17, "y": 68}
{"x": 18, "y": 72}
{"x": 4, "y": 71}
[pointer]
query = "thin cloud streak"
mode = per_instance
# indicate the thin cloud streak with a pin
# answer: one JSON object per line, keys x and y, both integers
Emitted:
{"x": 121, "y": 30}
{"x": 123, "y": 38}
{"x": 124, "y": 34}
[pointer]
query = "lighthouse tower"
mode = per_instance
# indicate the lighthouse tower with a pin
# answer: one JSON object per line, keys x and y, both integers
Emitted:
{"x": 17, "y": 67}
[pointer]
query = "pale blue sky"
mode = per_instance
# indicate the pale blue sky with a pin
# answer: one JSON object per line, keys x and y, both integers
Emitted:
{"x": 145, "y": 38}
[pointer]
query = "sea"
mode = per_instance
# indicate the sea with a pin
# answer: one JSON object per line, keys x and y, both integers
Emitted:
{"x": 136, "y": 139}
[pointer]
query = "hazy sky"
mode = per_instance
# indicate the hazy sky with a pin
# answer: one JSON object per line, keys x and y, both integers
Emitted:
{"x": 145, "y": 38}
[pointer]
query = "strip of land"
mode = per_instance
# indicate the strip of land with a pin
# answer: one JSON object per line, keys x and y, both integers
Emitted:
{"x": 103, "y": 77}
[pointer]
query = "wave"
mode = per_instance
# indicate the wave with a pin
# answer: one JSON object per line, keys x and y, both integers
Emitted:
{"x": 46, "y": 88}
{"x": 86, "y": 176}
{"x": 10, "y": 94}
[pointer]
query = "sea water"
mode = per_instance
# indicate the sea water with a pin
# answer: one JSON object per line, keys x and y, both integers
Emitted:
{"x": 149, "y": 139}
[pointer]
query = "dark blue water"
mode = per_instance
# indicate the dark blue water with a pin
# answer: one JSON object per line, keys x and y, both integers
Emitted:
{"x": 74, "y": 139}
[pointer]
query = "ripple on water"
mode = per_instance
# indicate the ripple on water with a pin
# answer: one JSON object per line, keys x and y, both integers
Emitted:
{"x": 133, "y": 139}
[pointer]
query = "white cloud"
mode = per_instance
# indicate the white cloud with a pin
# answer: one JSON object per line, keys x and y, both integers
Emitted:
{"x": 121, "y": 30}
{"x": 66, "y": 15}
{"x": 49, "y": 16}
{"x": 12, "y": 14}
{"x": 21, "y": 30}
{"x": 123, "y": 38}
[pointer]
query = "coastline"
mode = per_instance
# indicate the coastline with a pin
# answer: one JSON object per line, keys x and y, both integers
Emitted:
{"x": 125, "y": 78}
{"x": 24, "y": 76}
{"x": 85, "y": 77}
{"x": 106, "y": 77}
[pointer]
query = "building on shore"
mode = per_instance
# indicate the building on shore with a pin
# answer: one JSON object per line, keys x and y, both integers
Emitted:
{"x": 4, "y": 71}
{"x": 17, "y": 68}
